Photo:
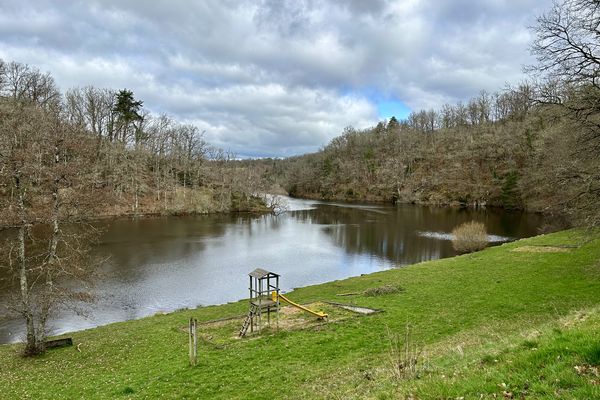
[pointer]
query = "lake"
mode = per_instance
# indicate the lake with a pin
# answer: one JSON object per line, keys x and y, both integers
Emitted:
{"x": 167, "y": 263}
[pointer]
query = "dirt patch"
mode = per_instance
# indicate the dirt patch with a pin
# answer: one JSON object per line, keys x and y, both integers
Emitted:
{"x": 543, "y": 249}
{"x": 290, "y": 311}
{"x": 355, "y": 309}
{"x": 292, "y": 318}
{"x": 221, "y": 332}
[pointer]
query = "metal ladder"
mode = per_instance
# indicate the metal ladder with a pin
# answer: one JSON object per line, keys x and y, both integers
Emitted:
{"x": 251, "y": 313}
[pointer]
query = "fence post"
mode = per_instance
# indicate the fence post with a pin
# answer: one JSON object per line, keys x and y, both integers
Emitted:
{"x": 193, "y": 341}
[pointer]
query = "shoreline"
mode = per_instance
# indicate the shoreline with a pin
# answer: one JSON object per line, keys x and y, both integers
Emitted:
{"x": 83, "y": 324}
{"x": 243, "y": 300}
{"x": 157, "y": 214}
{"x": 451, "y": 205}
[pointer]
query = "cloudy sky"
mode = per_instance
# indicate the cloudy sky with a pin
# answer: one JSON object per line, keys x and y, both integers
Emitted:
{"x": 276, "y": 77}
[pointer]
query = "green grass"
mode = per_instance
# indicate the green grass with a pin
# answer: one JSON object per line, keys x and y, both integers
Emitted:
{"x": 490, "y": 325}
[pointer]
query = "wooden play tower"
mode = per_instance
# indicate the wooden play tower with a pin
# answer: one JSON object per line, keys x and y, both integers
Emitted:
{"x": 262, "y": 300}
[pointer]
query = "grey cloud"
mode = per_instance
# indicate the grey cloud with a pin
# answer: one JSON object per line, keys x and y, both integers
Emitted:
{"x": 274, "y": 77}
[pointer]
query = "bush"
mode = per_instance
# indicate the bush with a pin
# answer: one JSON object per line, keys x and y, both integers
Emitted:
{"x": 469, "y": 237}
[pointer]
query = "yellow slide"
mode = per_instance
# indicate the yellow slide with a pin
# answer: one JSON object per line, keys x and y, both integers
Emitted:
{"x": 282, "y": 297}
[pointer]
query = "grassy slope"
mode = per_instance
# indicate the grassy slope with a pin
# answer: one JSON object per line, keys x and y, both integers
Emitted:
{"x": 491, "y": 322}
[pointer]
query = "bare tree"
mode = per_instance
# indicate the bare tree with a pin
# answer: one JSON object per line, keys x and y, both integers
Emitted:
{"x": 91, "y": 108}
{"x": 567, "y": 47}
{"x": 21, "y": 82}
{"x": 566, "y": 43}
{"x": 41, "y": 163}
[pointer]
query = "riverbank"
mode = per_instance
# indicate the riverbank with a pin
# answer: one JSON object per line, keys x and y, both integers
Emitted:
{"x": 408, "y": 198}
{"x": 185, "y": 201}
{"x": 512, "y": 320}
{"x": 181, "y": 202}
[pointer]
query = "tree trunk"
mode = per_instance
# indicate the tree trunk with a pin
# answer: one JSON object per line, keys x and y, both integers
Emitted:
{"x": 31, "y": 345}
{"x": 52, "y": 257}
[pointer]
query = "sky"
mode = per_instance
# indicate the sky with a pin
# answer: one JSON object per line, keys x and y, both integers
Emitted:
{"x": 275, "y": 78}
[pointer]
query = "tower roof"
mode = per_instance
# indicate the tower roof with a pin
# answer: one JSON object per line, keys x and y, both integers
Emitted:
{"x": 259, "y": 273}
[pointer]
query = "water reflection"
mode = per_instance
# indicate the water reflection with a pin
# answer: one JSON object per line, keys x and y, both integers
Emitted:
{"x": 162, "y": 264}
{"x": 397, "y": 233}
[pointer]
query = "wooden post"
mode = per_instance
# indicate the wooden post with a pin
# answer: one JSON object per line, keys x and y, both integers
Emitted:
{"x": 277, "y": 300}
{"x": 190, "y": 341}
{"x": 260, "y": 295}
{"x": 251, "y": 299}
{"x": 193, "y": 341}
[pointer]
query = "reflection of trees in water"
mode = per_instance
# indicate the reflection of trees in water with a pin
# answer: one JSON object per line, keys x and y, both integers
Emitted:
{"x": 133, "y": 244}
{"x": 392, "y": 232}
{"x": 37, "y": 239}
{"x": 385, "y": 231}
{"x": 257, "y": 225}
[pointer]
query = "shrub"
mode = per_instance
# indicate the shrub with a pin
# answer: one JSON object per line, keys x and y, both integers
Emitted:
{"x": 469, "y": 237}
{"x": 406, "y": 361}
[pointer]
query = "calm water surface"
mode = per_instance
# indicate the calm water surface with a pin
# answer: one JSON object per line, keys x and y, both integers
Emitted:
{"x": 164, "y": 264}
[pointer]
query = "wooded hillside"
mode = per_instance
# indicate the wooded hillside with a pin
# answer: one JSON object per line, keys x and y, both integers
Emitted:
{"x": 508, "y": 150}
{"x": 134, "y": 162}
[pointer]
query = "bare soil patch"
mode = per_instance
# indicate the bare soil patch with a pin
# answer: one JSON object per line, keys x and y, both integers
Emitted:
{"x": 223, "y": 330}
{"x": 543, "y": 249}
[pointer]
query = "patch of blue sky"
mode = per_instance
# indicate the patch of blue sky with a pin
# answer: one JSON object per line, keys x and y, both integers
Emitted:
{"x": 388, "y": 108}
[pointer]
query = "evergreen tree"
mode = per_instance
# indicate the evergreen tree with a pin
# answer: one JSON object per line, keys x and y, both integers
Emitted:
{"x": 127, "y": 113}
{"x": 393, "y": 124}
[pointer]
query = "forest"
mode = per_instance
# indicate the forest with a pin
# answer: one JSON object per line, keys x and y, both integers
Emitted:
{"x": 105, "y": 146}
{"x": 504, "y": 150}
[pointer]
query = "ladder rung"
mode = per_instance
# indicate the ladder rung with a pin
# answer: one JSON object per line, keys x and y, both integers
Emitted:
{"x": 253, "y": 311}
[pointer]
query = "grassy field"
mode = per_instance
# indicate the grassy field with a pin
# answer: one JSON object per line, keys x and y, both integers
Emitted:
{"x": 521, "y": 320}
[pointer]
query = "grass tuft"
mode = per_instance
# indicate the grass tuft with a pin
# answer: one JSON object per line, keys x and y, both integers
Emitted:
{"x": 592, "y": 354}
{"x": 127, "y": 390}
{"x": 488, "y": 359}
{"x": 530, "y": 344}
{"x": 382, "y": 290}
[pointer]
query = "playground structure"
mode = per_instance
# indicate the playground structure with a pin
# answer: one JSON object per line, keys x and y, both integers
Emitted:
{"x": 265, "y": 298}
{"x": 262, "y": 283}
